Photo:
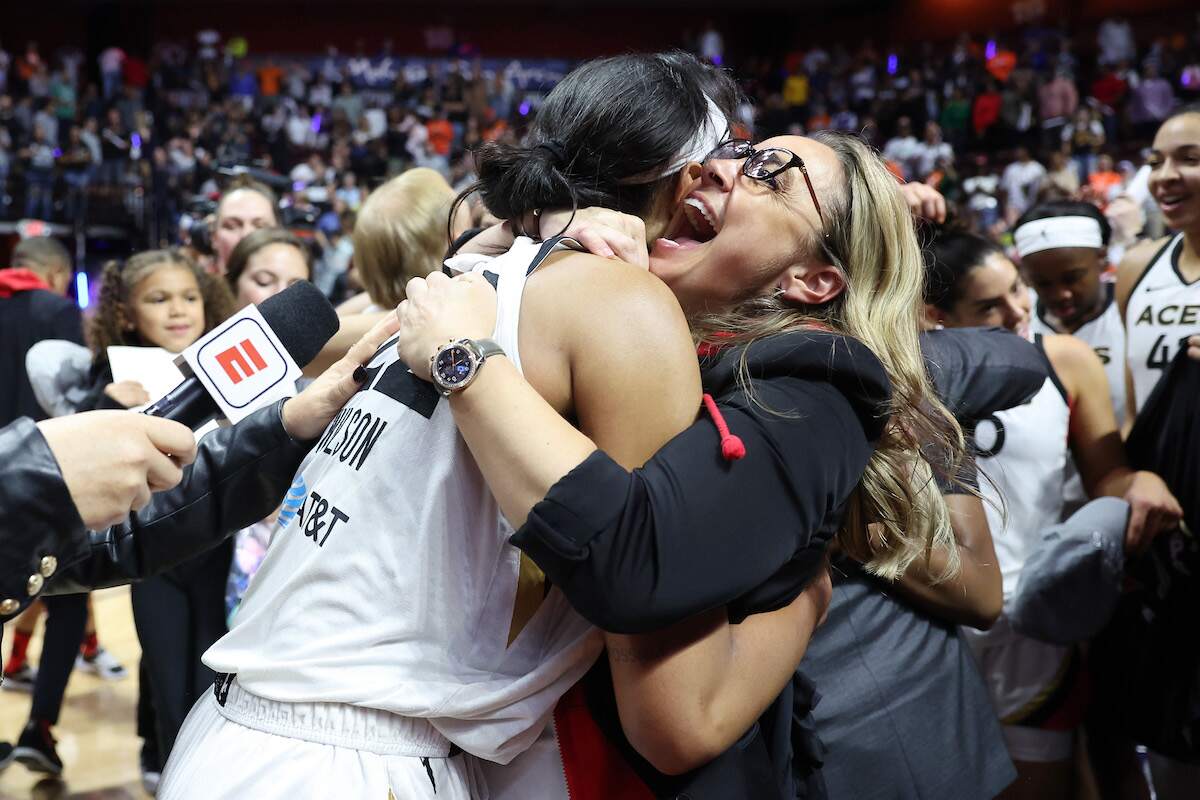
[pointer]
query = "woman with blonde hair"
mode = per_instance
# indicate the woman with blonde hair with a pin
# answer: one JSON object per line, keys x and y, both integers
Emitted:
{"x": 400, "y": 234}
{"x": 797, "y": 265}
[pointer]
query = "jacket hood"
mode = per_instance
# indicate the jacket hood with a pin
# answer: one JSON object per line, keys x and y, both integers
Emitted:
{"x": 839, "y": 360}
{"x": 15, "y": 280}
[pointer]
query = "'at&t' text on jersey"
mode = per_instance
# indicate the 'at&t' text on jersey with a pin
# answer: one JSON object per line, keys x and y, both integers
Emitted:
{"x": 392, "y": 584}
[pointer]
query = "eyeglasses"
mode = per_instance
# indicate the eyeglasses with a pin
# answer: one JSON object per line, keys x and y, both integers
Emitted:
{"x": 763, "y": 165}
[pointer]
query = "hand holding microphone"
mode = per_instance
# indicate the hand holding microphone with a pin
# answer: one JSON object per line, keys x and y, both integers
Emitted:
{"x": 250, "y": 360}
{"x": 111, "y": 461}
{"x": 238, "y": 364}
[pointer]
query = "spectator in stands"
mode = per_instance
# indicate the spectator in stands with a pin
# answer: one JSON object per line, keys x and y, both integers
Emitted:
{"x": 1021, "y": 181}
{"x": 930, "y": 151}
{"x": 795, "y": 94}
{"x": 1061, "y": 178}
{"x": 985, "y": 115}
{"x": 111, "y": 60}
{"x": 114, "y": 149}
{"x": 1084, "y": 136}
{"x": 1057, "y": 101}
{"x": 77, "y": 166}
{"x": 1152, "y": 102}
{"x": 39, "y": 175}
{"x": 954, "y": 117}
{"x": 1115, "y": 40}
{"x": 5, "y": 62}
{"x": 1105, "y": 183}
{"x": 903, "y": 149}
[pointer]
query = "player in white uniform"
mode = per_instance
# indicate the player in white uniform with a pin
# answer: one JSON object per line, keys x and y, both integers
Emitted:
{"x": 1022, "y": 453}
{"x": 1162, "y": 311}
{"x": 1063, "y": 250}
{"x": 1158, "y": 292}
{"x": 392, "y": 624}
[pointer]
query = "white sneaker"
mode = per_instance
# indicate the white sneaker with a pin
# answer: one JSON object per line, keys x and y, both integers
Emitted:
{"x": 102, "y": 665}
{"x": 150, "y": 781}
{"x": 21, "y": 680}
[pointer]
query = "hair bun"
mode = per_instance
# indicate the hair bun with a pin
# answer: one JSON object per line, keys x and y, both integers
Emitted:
{"x": 556, "y": 149}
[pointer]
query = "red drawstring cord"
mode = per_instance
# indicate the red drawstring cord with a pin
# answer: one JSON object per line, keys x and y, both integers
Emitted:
{"x": 732, "y": 448}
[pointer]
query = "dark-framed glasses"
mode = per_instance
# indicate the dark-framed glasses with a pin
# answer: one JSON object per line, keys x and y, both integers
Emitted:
{"x": 765, "y": 164}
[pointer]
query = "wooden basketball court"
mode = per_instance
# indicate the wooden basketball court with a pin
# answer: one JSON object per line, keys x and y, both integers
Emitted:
{"x": 96, "y": 731}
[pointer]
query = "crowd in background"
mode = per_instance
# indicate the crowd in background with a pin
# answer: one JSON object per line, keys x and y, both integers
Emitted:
{"x": 992, "y": 122}
{"x": 293, "y": 152}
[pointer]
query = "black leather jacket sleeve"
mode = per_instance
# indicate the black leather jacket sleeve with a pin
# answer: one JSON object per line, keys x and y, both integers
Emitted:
{"x": 40, "y": 528}
{"x": 240, "y": 476}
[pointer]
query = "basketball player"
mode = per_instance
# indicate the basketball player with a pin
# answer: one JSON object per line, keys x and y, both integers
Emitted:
{"x": 1157, "y": 290}
{"x": 1158, "y": 293}
{"x": 1022, "y": 455}
{"x": 1063, "y": 248}
{"x": 391, "y": 626}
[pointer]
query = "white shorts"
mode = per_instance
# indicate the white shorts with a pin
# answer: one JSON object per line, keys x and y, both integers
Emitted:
{"x": 253, "y": 747}
{"x": 1035, "y": 689}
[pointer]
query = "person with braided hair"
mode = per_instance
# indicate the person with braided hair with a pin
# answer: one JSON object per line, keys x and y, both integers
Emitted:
{"x": 161, "y": 298}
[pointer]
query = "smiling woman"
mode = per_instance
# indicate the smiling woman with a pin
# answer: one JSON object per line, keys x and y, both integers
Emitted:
{"x": 817, "y": 391}
{"x": 157, "y": 298}
{"x": 1157, "y": 275}
{"x": 1023, "y": 453}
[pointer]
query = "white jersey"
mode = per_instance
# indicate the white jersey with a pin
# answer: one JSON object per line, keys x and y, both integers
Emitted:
{"x": 1106, "y": 336}
{"x": 391, "y": 583}
{"x": 1162, "y": 311}
{"x": 1022, "y": 454}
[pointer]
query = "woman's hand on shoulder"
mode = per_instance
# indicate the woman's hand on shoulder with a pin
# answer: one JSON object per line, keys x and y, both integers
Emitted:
{"x": 128, "y": 393}
{"x": 439, "y": 309}
{"x": 604, "y": 232}
{"x": 306, "y": 415}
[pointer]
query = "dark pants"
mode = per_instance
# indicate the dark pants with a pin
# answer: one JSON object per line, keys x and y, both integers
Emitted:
{"x": 66, "y": 618}
{"x": 179, "y": 615}
{"x": 147, "y": 723}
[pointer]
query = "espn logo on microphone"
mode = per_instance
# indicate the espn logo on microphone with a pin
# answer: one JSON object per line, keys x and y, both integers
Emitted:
{"x": 242, "y": 363}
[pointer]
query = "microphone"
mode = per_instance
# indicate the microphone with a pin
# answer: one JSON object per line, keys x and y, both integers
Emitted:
{"x": 302, "y": 321}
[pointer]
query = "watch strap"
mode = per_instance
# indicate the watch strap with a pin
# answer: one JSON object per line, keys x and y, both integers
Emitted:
{"x": 488, "y": 347}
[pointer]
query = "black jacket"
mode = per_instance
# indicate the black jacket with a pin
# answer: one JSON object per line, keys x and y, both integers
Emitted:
{"x": 26, "y": 318}
{"x": 240, "y": 475}
{"x": 1147, "y": 660}
{"x": 635, "y": 552}
{"x": 690, "y": 531}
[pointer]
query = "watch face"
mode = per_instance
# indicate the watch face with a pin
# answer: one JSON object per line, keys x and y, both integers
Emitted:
{"x": 454, "y": 366}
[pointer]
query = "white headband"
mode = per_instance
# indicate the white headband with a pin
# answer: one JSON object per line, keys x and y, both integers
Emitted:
{"x": 706, "y": 139}
{"x": 1057, "y": 232}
